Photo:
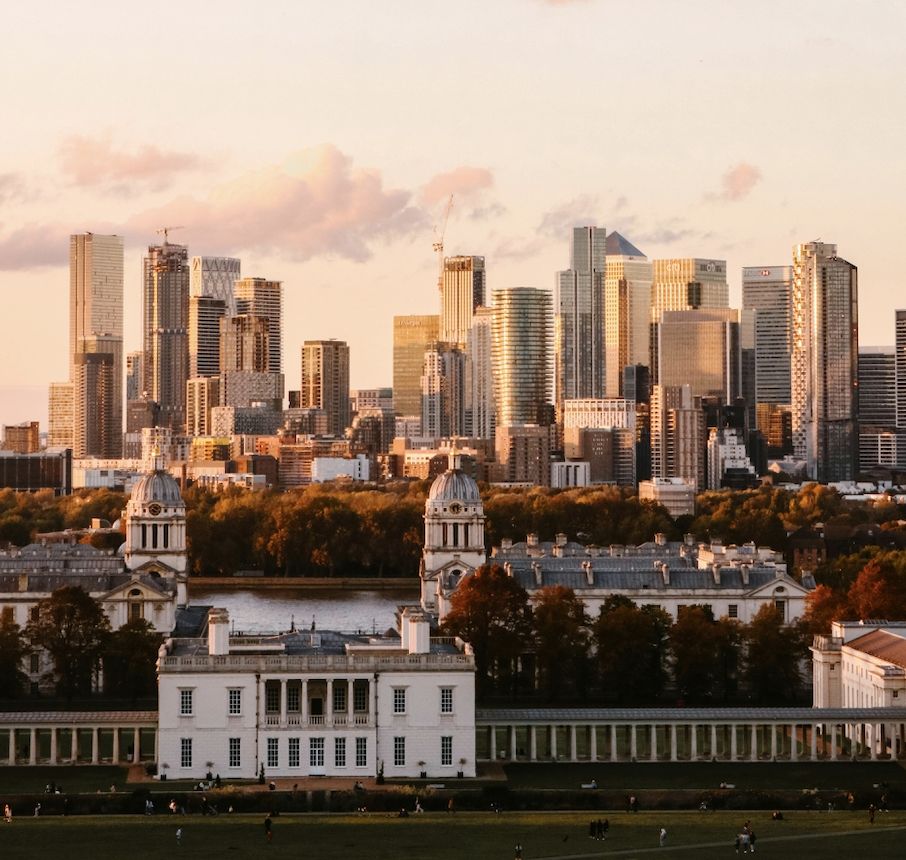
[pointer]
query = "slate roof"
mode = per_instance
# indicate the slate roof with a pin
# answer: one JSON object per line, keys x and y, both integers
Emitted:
{"x": 883, "y": 645}
{"x": 797, "y": 716}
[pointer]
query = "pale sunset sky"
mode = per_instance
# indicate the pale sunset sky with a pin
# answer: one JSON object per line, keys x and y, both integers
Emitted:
{"x": 318, "y": 142}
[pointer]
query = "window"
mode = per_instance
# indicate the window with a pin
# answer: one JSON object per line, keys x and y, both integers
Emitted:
{"x": 135, "y": 611}
{"x": 9, "y": 614}
{"x": 360, "y": 697}
{"x": 273, "y": 752}
{"x": 273, "y": 700}
{"x": 455, "y": 534}
{"x": 316, "y": 752}
{"x": 339, "y": 698}
{"x": 154, "y": 536}
{"x": 235, "y": 752}
{"x": 446, "y": 700}
{"x": 293, "y": 752}
{"x": 446, "y": 751}
{"x": 144, "y": 537}
{"x": 292, "y": 698}
{"x": 185, "y": 703}
{"x": 399, "y": 700}
{"x": 166, "y": 537}
{"x": 339, "y": 752}
{"x": 34, "y": 613}
{"x": 781, "y": 605}
{"x": 733, "y": 611}
{"x": 445, "y": 533}
{"x": 235, "y": 702}
{"x": 361, "y": 752}
{"x": 185, "y": 752}
{"x": 465, "y": 536}
{"x": 399, "y": 752}
{"x": 35, "y": 663}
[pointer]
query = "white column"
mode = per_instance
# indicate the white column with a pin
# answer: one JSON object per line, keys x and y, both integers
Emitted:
{"x": 654, "y": 741}
{"x": 814, "y": 743}
{"x": 137, "y": 745}
{"x": 573, "y": 746}
{"x": 874, "y": 741}
{"x": 512, "y": 731}
{"x": 833, "y": 753}
{"x": 593, "y": 743}
{"x": 773, "y": 741}
{"x": 672, "y": 742}
{"x": 53, "y": 745}
{"x": 75, "y": 744}
{"x": 116, "y": 744}
{"x": 283, "y": 701}
{"x": 329, "y": 719}
{"x": 492, "y": 743}
{"x": 613, "y": 742}
{"x": 553, "y": 736}
{"x": 12, "y": 745}
{"x": 95, "y": 745}
{"x": 693, "y": 747}
{"x": 33, "y": 747}
{"x": 754, "y": 741}
{"x": 733, "y": 742}
{"x": 304, "y": 703}
{"x": 633, "y": 741}
{"x": 713, "y": 740}
{"x": 533, "y": 743}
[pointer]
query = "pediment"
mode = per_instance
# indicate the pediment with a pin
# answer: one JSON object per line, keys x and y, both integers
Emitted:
{"x": 788, "y": 584}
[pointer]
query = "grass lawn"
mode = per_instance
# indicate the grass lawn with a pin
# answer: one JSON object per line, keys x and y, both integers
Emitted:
{"x": 439, "y": 836}
{"x": 74, "y": 780}
{"x": 849, "y": 776}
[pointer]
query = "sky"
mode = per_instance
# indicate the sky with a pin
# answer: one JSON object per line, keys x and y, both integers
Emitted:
{"x": 319, "y": 143}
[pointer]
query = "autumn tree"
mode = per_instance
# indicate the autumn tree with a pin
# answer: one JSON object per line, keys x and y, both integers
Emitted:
{"x": 490, "y": 610}
{"x": 630, "y": 644}
{"x": 880, "y": 589}
{"x": 13, "y": 650}
{"x": 130, "y": 661}
{"x": 561, "y": 640}
{"x": 73, "y": 629}
{"x": 823, "y": 606}
{"x": 703, "y": 653}
{"x": 773, "y": 651}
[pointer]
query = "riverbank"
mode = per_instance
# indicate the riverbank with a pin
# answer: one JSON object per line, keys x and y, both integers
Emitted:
{"x": 201, "y": 585}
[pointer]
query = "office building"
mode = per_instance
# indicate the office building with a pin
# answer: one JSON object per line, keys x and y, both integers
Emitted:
{"x": 768, "y": 291}
{"x": 579, "y": 321}
{"x": 877, "y": 387}
{"x": 688, "y": 284}
{"x": 202, "y": 395}
{"x": 245, "y": 388}
{"x": 245, "y": 344}
{"x": 411, "y": 336}
{"x": 215, "y": 278}
{"x": 677, "y": 495}
{"x": 678, "y": 435}
{"x": 627, "y": 290}
{"x": 21, "y": 438}
{"x": 264, "y": 299}
{"x": 825, "y": 362}
{"x": 462, "y": 292}
{"x": 205, "y": 315}
{"x": 165, "y": 331}
{"x": 480, "y": 409}
{"x": 134, "y": 379}
{"x": 523, "y": 455}
{"x": 325, "y": 382}
{"x": 443, "y": 386}
{"x": 371, "y": 398}
{"x": 94, "y": 426}
{"x": 521, "y": 355}
{"x": 900, "y": 334}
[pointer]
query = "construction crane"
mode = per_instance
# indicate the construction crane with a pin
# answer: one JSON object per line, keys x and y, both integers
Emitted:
{"x": 439, "y": 246}
{"x": 166, "y": 230}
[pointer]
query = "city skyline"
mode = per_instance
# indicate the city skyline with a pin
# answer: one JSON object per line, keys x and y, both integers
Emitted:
{"x": 745, "y": 193}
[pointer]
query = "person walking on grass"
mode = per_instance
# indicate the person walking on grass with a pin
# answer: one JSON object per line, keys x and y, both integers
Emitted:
{"x": 752, "y": 841}
{"x": 267, "y": 828}
{"x": 663, "y": 837}
{"x": 7, "y": 814}
{"x": 179, "y": 836}
{"x": 518, "y": 851}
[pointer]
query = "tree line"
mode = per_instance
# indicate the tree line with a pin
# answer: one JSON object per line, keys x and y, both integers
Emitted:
{"x": 72, "y": 631}
{"x": 548, "y": 645}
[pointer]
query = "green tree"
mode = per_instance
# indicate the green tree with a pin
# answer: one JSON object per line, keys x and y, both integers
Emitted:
{"x": 73, "y": 629}
{"x": 490, "y": 610}
{"x": 13, "y": 650}
{"x": 704, "y": 653}
{"x": 130, "y": 662}
{"x": 772, "y": 655}
{"x": 561, "y": 641}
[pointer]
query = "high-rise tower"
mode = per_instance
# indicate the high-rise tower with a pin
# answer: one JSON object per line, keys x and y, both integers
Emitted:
{"x": 688, "y": 284}
{"x": 325, "y": 382}
{"x": 462, "y": 293}
{"x": 411, "y": 336}
{"x": 264, "y": 299}
{"x": 825, "y": 362}
{"x": 579, "y": 324}
{"x": 165, "y": 331}
{"x": 768, "y": 290}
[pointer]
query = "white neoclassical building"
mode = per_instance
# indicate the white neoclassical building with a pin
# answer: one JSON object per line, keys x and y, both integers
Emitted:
{"x": 317, "y": 704}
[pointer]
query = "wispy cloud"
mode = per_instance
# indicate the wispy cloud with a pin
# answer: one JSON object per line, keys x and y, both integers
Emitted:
{"x": 578, "y": 212}
{"x": 464, "y": 181}
{"x": 737, "y": 182}
{"x": 313, "y": 204}
{"x": 96, "y": 161}
{"x": 12, "y": 187}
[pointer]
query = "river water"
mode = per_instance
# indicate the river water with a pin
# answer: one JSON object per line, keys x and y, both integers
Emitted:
{"x": 272, "y": 610}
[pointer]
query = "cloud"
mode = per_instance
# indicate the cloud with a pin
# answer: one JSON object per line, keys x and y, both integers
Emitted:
{"x": 313, "y": 204}
{"x": 737, "y": 182}
{"x": 12, "y": 187}
{"x": 579, "y": 212}
{"x": 517, "y": 248}
{"x": 465, "y": 181}
{"x": 93, "y": 161}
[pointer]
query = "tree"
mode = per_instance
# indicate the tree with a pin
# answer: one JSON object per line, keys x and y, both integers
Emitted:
{"x": 773, "y": 654}
{"x": 560, "y": 630}
{"x": 880, "y": 589}
{"x": 130, "y": 663}
{"x": 822, "y": 606}
{"x": 73, "y": 629}
{"x": 13, "y": 651}
{"x": 490, "y": 610}
{"x": 704, "y": 653}
{"x": 631, "y": 649}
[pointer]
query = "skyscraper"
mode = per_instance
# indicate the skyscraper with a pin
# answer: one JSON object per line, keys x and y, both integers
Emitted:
{"x": 325, "y": 382}
{"x": 521, "y": 354}
{"x": 443, "y": 383}
{"x": 462, "y": 293}
{"x": 215, "y": 278}
{"x": 900, "y": 335}
{"x": 264, "y": 299}
{"x": 244, "y": 343}
{"x": 481, "y": 412}
{"x": 134, "y": 378}
{"x": 877, "y": 387}
{"x": 688, "y": 284}
{"x": 411, "y": 336}
{"x": 165, "y": 330}
{"x": 627, "y": 290}
{"x": 825, "y": 362}
{"x": 205, "y": 314}
{"x": 579, "y": 324}
{"x": 768, "y": 290}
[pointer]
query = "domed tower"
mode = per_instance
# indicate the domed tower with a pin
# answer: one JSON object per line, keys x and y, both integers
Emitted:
{"x": 454, "y": 537}
{"x": 156, "y": 527}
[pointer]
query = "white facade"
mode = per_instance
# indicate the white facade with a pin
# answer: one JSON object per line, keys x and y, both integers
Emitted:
{"x": 570, "y": 475}
{"x": 317, "y": 704}
{"x": 599, "y": 412}
{"x": 677, "y": 495}
{"x": 330, "y": 468}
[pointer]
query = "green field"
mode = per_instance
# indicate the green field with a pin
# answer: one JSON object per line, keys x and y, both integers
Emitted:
{"x": 440, "y": 836}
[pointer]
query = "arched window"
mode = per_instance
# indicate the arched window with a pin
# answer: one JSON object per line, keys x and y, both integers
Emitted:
{"x": 154, "y": 536}
{"x": 144, "y": 536}
{"x": 445, "y": 534}
{"x": 455, "y": 534}
{"x": 166, "y": 536}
